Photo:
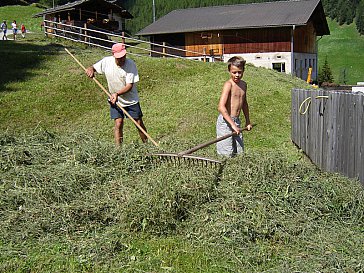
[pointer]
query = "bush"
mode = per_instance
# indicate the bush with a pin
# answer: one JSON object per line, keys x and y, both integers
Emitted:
{"x": 325, "y": 74}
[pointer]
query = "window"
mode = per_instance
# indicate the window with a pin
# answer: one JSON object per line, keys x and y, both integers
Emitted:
{"x": 280, "y": 67}
{"x": 206, "y": 35}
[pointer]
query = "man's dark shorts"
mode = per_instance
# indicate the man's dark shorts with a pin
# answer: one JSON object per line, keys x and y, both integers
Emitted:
{"x": 133, "y": 110}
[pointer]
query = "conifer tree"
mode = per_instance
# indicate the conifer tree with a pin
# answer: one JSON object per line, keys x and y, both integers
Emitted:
{"x": 325, "y": 74}
{"x": 359, "y": 20}
{"x": 343, "y": 77}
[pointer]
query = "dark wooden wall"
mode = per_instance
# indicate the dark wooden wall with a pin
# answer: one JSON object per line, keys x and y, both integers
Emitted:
{"x": 305, "y": 39}
{"x": 257, "y": 40}
{"x": 176, "y": 40}
{"x": 241, "y": 41}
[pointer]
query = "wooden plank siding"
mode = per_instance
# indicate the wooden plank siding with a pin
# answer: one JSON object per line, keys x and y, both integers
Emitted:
{"x": 207, "y": 42}
{"x": 257, "y": 40}
{"x": 305, "y": 39}
{"x": 239, "y": 41}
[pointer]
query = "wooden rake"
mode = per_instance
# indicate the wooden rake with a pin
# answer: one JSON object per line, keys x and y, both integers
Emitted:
{"x": 187, "y": 157}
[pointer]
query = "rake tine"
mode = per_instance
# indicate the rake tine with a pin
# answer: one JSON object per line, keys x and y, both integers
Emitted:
{"x": 177, "y": 159}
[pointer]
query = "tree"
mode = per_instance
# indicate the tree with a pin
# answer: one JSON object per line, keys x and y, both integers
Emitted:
{"x": 49, "y": 3}
{"x": 359, "y": 20}
{"x": 343, "y": 77}
{"x": 13, "y": 2}
{"x": 325, "y": 74}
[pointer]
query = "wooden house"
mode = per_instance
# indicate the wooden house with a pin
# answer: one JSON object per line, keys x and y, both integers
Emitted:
{"x": 102, "y": 15}
{"x": 281, "y": 35}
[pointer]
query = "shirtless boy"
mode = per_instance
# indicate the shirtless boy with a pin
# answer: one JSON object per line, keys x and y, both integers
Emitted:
{"x": 233, "y": 99}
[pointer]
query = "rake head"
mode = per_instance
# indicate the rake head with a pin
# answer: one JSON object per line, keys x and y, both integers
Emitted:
{"x": 177, "y": 159}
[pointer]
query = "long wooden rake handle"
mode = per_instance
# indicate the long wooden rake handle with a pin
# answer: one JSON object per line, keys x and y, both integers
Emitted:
{"x": 203, "y": 145}
{"x": 117, "y": 103}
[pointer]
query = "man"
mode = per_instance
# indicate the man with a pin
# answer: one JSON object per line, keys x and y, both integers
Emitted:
{"x": 4, "y": 28}
{"x": 121, "y": 75}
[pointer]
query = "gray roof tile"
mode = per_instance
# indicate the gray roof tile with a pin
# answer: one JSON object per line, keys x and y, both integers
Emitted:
{"x": 255, "y": 15}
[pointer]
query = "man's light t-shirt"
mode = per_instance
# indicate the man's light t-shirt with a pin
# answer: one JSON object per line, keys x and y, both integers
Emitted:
{"x": 118, "y": 77}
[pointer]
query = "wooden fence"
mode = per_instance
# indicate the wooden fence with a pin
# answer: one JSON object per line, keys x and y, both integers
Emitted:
{"x": 79, "y": 32}
{"x": 329, "y": 127}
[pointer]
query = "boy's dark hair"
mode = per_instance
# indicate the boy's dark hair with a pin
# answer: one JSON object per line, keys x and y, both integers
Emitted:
{"x": 237, "y": 61}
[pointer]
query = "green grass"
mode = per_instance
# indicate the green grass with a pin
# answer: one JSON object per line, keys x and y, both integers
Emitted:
{"x": 344, "y": 48}
{"x": 74, "y": 203}
{"x": 179, "y": 98}
{"x": 71, "y": 202}
{"x": 22, "y": 15}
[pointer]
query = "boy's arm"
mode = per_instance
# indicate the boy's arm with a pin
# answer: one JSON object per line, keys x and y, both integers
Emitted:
{"x": 245, "y": 108}
{"x": 226, "y": 91}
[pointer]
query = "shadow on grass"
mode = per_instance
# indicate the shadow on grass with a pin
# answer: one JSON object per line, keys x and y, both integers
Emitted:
{"x": 18, "y": 61}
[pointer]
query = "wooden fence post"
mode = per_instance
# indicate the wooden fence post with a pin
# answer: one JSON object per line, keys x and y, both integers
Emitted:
{"x": 85, "y": 26}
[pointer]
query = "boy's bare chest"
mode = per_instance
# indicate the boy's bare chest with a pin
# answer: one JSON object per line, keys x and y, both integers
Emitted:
{"x": 237, "y": 92}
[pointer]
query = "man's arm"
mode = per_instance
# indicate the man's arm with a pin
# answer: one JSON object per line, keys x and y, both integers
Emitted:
{"x": 125, "y": 89}
{"x": 90, "y": 71}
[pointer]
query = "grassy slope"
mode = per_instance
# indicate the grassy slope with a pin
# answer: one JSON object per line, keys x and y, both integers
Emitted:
{"x": 22, "y": 15}
{"x": 68, "y": 208}
{"x": 179, "y": 98}
{"x": 344, "y": 49}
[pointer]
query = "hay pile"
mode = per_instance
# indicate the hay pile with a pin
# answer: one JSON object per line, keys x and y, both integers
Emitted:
{"x": 261, "y": 208}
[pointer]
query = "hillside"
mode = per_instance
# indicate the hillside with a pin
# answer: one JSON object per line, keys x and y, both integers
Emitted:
{"x": 13, "y": 2}
{"x": 71, "y": 202}
{"x": 343, "y": 48}
{"x": 23, "y": 15}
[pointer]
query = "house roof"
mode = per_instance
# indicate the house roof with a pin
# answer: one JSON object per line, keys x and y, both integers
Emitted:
{"x": 254, "y": 15}
{"x": 98, "y": 5}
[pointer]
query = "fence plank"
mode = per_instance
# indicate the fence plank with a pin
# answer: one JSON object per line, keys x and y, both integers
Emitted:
{"x": 360, "y": 148}
{"x": 294, "y": 113}
{"x": 325, "y": 112}
{"x": 314, "y": 127}
{"x": 352, "y": 140}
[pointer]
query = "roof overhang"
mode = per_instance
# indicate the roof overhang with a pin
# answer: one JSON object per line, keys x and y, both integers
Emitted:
{"x": 241, "y": 16}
